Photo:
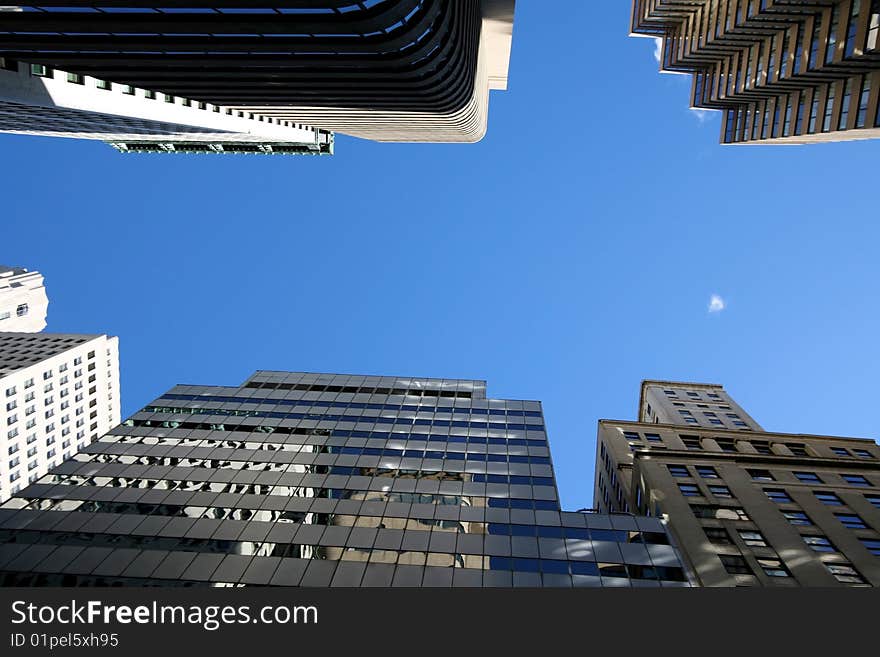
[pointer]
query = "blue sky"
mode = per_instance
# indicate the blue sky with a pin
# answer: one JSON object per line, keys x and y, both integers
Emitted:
{"x": 569, "y": 255}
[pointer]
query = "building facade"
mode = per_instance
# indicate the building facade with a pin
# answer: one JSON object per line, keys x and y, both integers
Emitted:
{"x": 23, "y": 300}
{"x": 781, "y": 71}
{"x": 59, "y": 392}
{"x": 746, "y": 507}
{"x": 388, "y": 70}
{"x": 44, "y": 101}
{"x": 323, "y": 480}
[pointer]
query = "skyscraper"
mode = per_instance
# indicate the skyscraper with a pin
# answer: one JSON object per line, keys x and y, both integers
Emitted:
{"x": 388, "y": 70}
{"x": 747, "y": 507}
{"x": 323, "y": 480}
{"x": 59, "y": 392}
{"x": 23, "y": 300}
{"x": 42, "y": 101}
{"x": 782, "y": 71}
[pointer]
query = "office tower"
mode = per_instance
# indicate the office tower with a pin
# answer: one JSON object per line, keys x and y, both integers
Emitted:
{"x": 747, "y": 507}
{"x": 781, "y": 71}
{"x": 23, "y": 300}
{"x": 323, "y": 480}
{"x": 59, "y": 392}
{"x": 38, "y": 100}
{"x": 388, "y": 70}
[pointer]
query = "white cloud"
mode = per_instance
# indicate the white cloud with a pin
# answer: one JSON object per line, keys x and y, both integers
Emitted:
{"x": 658, "y": 48}
{"x": 716, "y": 304}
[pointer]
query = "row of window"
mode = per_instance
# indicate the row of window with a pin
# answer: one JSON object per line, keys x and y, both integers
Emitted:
{"x": 41, "y": 71}
{"x": 426, "y": 407}
{"x": 372, "y": 419}
{"x": 731, "y": 445}
{"x": 691, "y": 394}
{"x": 774, "y": 567}
{"x": 708, "y": 472}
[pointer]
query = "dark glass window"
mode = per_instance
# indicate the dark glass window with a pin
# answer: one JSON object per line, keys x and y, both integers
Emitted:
{"x": 797, "y": 518}
{"x": 856, "y": 480}
{"x": 707, "y": 472}
{"x": 761, "y": 475}
{"x": 819, "y": 543}
{"x": 809, "y": 477}
{"x": 773, "y": 568}
{"x": 720, "y": 491}
{"x": 689, "y": 490}
{"x": 752, "y": 538}
{"x": 828, "y": 498}
{"x": 778, "y": 495}
{"x": 678, "y": 471}
{"x": 718, "y": 535}
{"x": 851, "y": 520}
{"x": 735, "y": 564}
{"x": 798, "y": 449}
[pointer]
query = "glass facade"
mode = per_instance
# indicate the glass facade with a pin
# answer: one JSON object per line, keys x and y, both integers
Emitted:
{"x": 323, "y": 480}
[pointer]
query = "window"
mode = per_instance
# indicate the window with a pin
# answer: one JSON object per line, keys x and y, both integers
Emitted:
{"x": 819, "y": 543}
{"x": 778, "y": 495}
{"x": 773, "y": 568}
{"x": 762, "y": 447}
{"x": 631, "y": 435}
{"x": 798, "y": 449}
{"x": 828, "y": 498}
{"x": 707, "y": 472}
{"x": 718, "y": 535}
{"x": 851, "y": 520}
{"x": 21, "y": 310}
{"x": 856, "y": 480}
{"x": 810, "y": 477}
{"x": 735, "y": 564}
{"x": 691, "y": 442}
{"x": 873, "y": 499}
{"x": 761, "y": 475}
{"x": 41, "y": 71}
{"x": 678, "y": 471}
{"x": 10, "y": 391}
{"x": 863, "y": 453}
{"x": 689, "y": 490}
{"x": 653, "y": 437}
{"x": 718, "y": 512}
{"x": 845, "y": 573}
{"x": 752, "y": 538}
{"x": 726, "y": 444}
{"x": 872, "y": 545}
{"x": 670, "y": 393}
{"x": 720, "y": 491}
{"x": 840, "y": 451}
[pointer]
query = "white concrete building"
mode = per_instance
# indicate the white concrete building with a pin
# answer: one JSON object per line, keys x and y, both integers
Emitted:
{"x": 58, "y": 393}
{"x": 23, "y": 300}
{"x": 38, "y": 100}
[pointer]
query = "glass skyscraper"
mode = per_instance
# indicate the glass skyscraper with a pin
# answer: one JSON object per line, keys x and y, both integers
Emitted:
{"x": 323, "y": 480}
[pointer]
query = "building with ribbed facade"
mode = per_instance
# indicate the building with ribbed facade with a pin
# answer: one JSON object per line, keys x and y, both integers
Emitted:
{"x": 58, "y": 393}
{"x": 781, "y": 71}
{"x": 387, "y": 70}
{"x": 746, "y": 506}
{"x": 297, "y": 479}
